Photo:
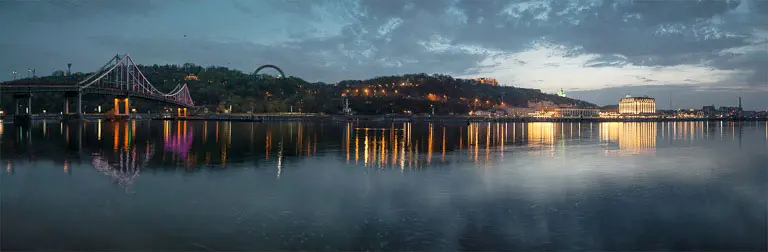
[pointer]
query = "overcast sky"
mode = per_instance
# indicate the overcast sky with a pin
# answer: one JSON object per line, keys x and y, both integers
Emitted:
{"x": 691, "y": 52}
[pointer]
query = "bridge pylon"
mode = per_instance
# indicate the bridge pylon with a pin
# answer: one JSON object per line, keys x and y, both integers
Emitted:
{"x": 77, "y": 96}
{"x": 181, "y": 113}
{"x": 26, "y": 115}
{"x": 125, "y": 109}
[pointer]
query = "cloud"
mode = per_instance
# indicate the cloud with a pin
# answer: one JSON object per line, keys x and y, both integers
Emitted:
{"x": 71, "y": 10}
{"x": 550, "y": 67}
{"x": 680, "y": 95}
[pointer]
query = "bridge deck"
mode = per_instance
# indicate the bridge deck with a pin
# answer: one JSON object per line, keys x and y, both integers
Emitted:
{"x": 63, "y": 88}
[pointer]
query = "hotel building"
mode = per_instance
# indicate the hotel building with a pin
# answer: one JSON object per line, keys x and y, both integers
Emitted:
{"x": 637, "y": 105}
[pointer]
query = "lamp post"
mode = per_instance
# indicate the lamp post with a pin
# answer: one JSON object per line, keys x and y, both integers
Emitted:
{"x": 29, "y": 72}
{"x": 14, "y": 74}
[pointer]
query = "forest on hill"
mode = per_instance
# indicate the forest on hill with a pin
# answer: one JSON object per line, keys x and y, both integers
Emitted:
{"x": 216, "y": 89}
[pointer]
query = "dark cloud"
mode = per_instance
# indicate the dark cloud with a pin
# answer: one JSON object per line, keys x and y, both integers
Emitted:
{"x": 405, "y": 36}
{"x": 660, "y": 12}
{"x": 68, "y": 10}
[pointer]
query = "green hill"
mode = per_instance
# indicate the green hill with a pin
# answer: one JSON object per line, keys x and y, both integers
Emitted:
{"x": 218, "y": 88}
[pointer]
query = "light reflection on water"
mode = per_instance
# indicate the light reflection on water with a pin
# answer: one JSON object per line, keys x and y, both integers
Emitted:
{"x": 391, "y": 186}
{"x": 382, "y": 146}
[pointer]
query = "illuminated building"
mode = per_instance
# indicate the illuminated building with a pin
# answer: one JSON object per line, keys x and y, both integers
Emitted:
{"x": 610, "y": 111}
{"x": 481, "y": 113}
{"x": 576, "y": 112}
{"x": 541, "y": 105}
{"x": 637, "y": 105}
{"x": 517, "y": 111}
{"x": 191, "y": 77}
{"x": 690, "y": 113}
{"x": 487, "y": 81}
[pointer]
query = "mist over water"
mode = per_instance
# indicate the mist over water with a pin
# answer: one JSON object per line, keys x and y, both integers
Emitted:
{"x": 197, "y": 185}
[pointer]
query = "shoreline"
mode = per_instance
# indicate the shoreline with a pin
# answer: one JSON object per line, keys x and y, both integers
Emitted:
{"x": 375, "y": 118}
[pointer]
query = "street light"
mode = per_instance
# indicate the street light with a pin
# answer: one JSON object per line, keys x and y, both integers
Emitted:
{"x": 14, "y": 74}
{"x": 29, "y": 72}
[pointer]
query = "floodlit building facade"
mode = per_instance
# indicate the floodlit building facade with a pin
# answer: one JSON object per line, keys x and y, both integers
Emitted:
{"x": 487, "y": 81}
{"x": 637, "y": 105}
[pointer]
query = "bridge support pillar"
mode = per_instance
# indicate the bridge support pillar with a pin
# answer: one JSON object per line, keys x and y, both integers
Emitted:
{"x": 23, "y": 117}
{"x": 127, "y": 112}
{"x": 79, "y": 105}
{"x": 181, "y": 112}
{"x": 116, "y": 106}
{"x": 77, "y": 98}
{"x": 28, "y": 98}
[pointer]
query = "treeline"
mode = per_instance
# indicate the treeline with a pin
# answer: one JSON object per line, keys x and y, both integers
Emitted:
{"x": 217, "y": 89}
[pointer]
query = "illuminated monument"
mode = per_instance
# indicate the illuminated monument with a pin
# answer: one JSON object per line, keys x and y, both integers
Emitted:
{"x": 637, "y": 105}
{"x": 561, "y": 93}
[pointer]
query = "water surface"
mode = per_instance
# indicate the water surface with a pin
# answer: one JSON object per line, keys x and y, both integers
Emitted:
{"x": 177, "y": 185}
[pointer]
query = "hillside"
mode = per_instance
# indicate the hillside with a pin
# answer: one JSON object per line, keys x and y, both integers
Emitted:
{"x": 218, "y": 88}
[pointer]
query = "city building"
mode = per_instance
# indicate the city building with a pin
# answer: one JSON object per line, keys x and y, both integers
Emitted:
{"x": 487, "y": 81}
{"x": 709, "y": 111}
{"x": 541, "y": 104}
{"x": 518, "y": 111}
{"x": 576, "y": 112}
{"x": 637, "y": 105}
{"x": 609, "y": 111}
{"x": 191, "y": 77}
{"x": 729, "y": 111}
{"x": 611, "y": 108}
{"x": 690, "y": 113}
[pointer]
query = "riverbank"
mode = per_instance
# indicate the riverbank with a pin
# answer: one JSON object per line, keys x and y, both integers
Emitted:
{"x": 374, "y": 118}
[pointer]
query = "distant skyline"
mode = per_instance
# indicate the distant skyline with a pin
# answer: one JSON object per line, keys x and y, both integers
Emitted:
{"x": 696, "y": 52}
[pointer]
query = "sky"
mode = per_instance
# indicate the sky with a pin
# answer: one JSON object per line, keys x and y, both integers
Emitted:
{"x": 685, "y": 53}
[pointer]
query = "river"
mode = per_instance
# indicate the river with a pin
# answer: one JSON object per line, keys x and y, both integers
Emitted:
{"x": 217, "y": 185}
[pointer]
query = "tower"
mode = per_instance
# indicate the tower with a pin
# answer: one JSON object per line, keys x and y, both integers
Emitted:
{"x": 739, "y": 102}
{"x": 69, "y": 69}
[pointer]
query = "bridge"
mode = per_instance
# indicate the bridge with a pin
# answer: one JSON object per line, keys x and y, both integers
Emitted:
{"x": 119, "y": 77}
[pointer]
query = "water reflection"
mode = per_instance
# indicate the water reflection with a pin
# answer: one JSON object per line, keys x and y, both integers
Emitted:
{"x": 632, "y": 138}
{"x": 385, "y": 186}
{"x": 188, "y": 144}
